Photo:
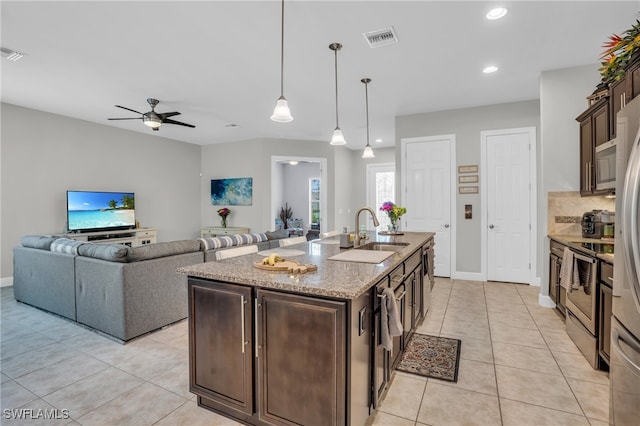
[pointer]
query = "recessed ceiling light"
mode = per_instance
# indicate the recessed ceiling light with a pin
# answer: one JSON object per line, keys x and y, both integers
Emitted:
{"x": 490, "y": 69}
{"x": 379, "y": 140}
{"x": 496, "y": 13}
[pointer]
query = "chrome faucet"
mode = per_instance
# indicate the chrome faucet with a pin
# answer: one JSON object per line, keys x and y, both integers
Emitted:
{"x": 373, "y": 216}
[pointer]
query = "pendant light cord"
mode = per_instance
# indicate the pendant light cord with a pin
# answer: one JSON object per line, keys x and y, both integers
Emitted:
{"x": 336, "y": 69}
{"x": 282, "y": 51}
{"x": 366, "y": 97}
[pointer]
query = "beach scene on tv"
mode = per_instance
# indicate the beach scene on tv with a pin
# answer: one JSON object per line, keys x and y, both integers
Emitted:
{"x": 95, "y": 210}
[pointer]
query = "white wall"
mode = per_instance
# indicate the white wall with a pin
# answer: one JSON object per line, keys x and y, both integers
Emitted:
{"x": 466, "y": 124}
{"x": 43, "y": 155}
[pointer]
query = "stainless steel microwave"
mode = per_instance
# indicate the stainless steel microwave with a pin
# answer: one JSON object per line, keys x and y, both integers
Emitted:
{"x": 605, "y": 165}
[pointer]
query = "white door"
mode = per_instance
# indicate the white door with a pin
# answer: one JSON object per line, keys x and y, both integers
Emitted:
{"x": 509, "y": 205}
{"x": 427, "y": 179}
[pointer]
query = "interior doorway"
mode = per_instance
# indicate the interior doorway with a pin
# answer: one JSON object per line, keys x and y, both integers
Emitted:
{"x": 428, "y": 173}
{"x": 381, "y": 181}
{"x": 304, "y": 191}
{"x": 508, "y": 192}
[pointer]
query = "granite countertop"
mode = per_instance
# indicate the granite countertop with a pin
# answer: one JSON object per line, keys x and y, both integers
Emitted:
{"x": 575, "y": 242}
{"x": 338, "y": 279}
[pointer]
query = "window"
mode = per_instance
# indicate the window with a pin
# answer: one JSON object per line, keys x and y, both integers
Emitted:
{"x": 380, "y": 188}
{"x": 314, "y": 203}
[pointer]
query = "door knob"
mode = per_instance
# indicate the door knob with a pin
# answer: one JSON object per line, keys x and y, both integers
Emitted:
{"x": 446, "y": 225}
{"x": 491, "y": 226}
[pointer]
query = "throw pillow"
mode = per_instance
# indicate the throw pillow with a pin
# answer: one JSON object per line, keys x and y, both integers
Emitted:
{"x": 276, "y": 235}
{"x": 42, "y": 242}
{"x": 153, "y": 251}
{"x": 110, "y": 252}
{"x": 66, "y": 245}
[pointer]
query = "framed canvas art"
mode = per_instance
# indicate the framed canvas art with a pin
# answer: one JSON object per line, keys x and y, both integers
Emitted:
{"x": 232, "y": 191}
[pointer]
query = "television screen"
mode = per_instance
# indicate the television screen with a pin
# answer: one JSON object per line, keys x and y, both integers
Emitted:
{"x": 97, "y": 211}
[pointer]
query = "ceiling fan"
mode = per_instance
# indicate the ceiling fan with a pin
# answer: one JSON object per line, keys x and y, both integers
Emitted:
{"x": 152, "y": 118}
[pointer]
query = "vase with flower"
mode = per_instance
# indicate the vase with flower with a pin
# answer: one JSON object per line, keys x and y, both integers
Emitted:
{"x": 393, "y": 212}
{"x": 223, "y": 213}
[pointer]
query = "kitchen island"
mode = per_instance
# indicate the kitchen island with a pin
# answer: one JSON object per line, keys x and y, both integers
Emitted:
{"x": 269, "y": 347}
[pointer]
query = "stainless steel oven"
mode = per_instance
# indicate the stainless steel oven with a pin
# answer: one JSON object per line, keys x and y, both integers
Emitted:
{"x": 605, "y": 163}
{"x": 582, "y": 316}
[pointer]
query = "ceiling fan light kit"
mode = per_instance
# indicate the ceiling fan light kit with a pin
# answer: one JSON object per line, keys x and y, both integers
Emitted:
{"x": 152, "y": 118}
{"x": 282, "y": 113}
{"x": 368, "y": 151}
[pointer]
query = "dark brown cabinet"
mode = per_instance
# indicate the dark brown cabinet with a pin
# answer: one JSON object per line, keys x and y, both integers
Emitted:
{"x": 220, "y": 345}
{"x": 622, "y": 92}
{"x": 594, "y": 131}
{"x": 557, "y": 293}
{"x": 305, "y": 337}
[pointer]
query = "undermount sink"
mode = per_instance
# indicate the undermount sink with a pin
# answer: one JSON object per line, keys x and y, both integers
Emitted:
{"x": 382, "y": 246}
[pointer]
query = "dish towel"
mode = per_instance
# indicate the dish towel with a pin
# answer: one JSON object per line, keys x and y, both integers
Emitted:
{"x": 569, "y": 276}
{"x": 391, "y": 325}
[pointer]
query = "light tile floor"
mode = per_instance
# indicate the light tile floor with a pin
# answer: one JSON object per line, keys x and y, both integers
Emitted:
{"x": 518, "y": 367}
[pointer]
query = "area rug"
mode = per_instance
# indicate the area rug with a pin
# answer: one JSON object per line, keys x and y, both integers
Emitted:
{"x": 431, "y": 356}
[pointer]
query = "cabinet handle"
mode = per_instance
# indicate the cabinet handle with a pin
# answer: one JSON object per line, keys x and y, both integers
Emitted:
{"x": 401, "y": 279}
{"x": 255, "y": 324}
{"x": 242, "y": 320}
{"x": 399, "y": 298}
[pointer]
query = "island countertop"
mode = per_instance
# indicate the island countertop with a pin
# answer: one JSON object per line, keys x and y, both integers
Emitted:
{"x": 337, "y": 279}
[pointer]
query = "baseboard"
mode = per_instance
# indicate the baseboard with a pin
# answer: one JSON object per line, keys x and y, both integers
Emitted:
{"x": 545, "y": 301}
{"x": 468, "y": 276}
{"x": 6, "y": 282}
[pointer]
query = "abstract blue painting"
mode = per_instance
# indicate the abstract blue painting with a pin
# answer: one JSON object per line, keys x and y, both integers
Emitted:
{"x": 232, "y": 192}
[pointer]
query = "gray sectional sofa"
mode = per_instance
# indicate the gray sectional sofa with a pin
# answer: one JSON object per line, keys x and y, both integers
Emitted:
{"x": 122, "y": 291}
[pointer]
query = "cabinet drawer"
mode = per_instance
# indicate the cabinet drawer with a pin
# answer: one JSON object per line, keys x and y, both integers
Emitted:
{"x": 606, "y": 273}
{"x": 413, "y": 261}
{"x": 557, "y": 248}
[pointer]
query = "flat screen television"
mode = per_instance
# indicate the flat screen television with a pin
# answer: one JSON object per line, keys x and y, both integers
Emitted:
{"x": 90, "y": 211}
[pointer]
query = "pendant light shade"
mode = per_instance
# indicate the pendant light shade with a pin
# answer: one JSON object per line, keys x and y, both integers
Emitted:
{"x": 281, "y": 112}
{"x": 368, "y": 151}
{"x": 338, "y": 137}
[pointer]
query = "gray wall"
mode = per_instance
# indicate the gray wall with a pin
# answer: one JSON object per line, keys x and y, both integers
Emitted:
{"x": 563, "y": 95}
{"x": 253, "y": 159}
{"x": 43, "y": 155}
{"x": 466, "y": 124}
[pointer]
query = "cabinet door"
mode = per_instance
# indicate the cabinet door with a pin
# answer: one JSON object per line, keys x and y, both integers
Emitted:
{"x": 634, "y": 76}
{"x": 220, "y": 361}
{"x": 601, "y": 125}
{"x": 398, "y": 341}
{"x": 553, "y": 278}
{"x": 586, "y": 156}
{"x": 409, "y": 298}
{"x": 619, "y": 93}
{"x": 306, "y": 337}
{"x": 380, "y": 361}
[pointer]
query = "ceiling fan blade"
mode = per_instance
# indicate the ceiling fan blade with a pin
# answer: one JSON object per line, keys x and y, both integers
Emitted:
{"x": 132, "y": 118}
{"x": 129, "y": 109}
{"x": 164, "y": 115}
{"x": 169, "y": 121}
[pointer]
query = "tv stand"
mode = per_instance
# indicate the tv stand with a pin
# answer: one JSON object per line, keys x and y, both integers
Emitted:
{"x": 129, "y": 237}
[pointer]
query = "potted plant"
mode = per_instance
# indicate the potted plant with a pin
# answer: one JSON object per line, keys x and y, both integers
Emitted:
{"x": 620, "y": 52}
{"x": 223, "y": 213}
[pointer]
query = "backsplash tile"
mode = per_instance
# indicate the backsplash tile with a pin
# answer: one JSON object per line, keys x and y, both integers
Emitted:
{"x": 565, "y": 209}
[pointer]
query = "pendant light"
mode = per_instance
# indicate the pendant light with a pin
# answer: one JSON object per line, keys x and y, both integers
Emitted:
{"x": 368, "y": 151}
{"x": 281, "y": 112}
{"x": 338, "y": 137}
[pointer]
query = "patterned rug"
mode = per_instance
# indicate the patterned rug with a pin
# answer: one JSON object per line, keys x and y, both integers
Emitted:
{"x": 431, "y": 356}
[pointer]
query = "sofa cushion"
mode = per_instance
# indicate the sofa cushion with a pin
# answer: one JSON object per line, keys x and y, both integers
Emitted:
{"x": 66, "y": 245}
{"x": 277, "y": 235}
{"x": 111, "y": 252}
{"x": 42, "y": 242}
{"x": 215, "y": 243}
{"x": 231, "y": 241}
{"x": 153, "y": 251}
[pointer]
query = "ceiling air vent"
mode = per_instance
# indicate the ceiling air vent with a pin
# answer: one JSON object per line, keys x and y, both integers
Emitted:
{"x": 383, "y": 37}
{"x": 11, "y": 55}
